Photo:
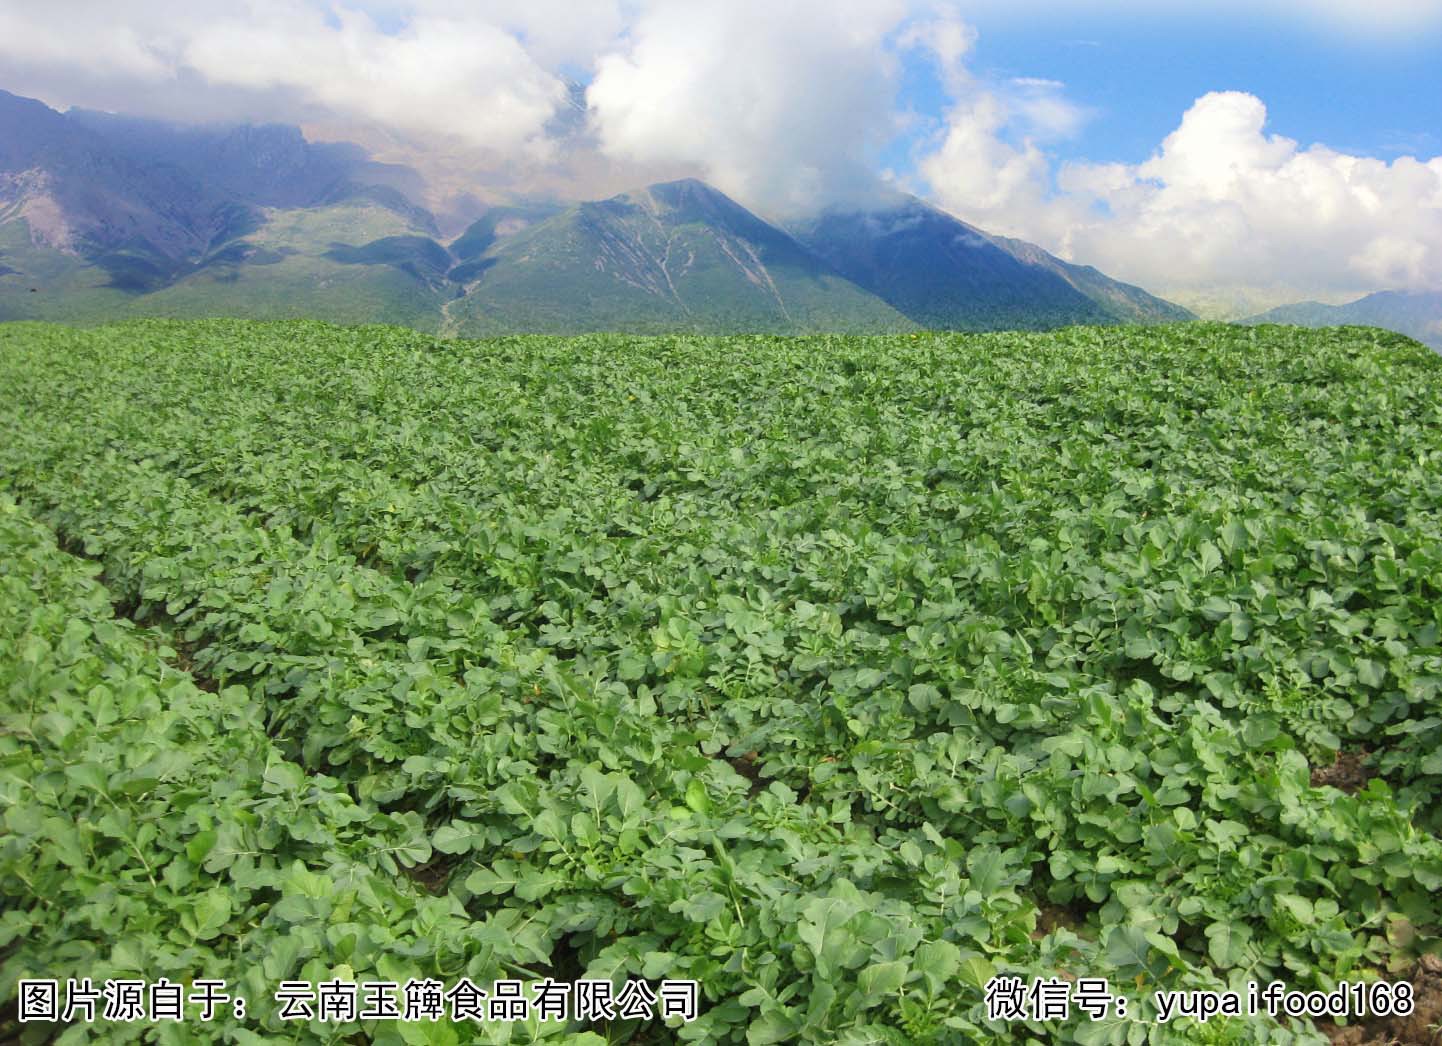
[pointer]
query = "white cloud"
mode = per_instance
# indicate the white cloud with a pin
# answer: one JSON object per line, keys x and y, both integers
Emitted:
{"x": 781, "y": 104}
{"x": 444, "y": 73}
{"x": 1222, "y": 211}
{"x": 440, "y": 76}
{"x": 1042, "y": 110}
{"x": 980, "y": 176}
{"x": 948, "y": 40}
{"x": 553, "y": 32}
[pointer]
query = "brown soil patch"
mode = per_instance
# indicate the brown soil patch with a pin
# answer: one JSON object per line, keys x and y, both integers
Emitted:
{"x": 749, "y": 767}
{"x": 1051, "y": 917}
{"x": 1347, "y": 772}
{"x": 1422, "y": 1028}
{"x": 433, "y": 877}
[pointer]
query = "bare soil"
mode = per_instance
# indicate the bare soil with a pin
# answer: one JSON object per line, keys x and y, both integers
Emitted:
{"x": 1422, "y": 1028}
{"x": 1347, "y": 772}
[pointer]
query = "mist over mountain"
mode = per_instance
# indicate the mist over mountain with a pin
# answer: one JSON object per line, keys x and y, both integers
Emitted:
{"x": 104, "y": 215}
{"x": 1417, "y": 314}
{"x": 147, "y": 204}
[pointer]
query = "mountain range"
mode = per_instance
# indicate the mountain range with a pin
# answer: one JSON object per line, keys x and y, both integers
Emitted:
{"x": 105, "y": 216}
{"x": 1417, "y": 314}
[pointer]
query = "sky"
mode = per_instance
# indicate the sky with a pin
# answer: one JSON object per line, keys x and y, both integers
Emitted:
{"x": 1231, "y": 156}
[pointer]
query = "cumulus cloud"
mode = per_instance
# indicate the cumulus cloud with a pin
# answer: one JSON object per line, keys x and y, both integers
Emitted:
{"x": 1223, "y": 214}
{"x": 781, "y": 104}
{"x": 554, "y": 32}
{"x": 947, "y": 40}
{"x": 441, "y": 75}
{"x": 977, "y": 172}
{"x": 784, "y": 105}
{"x": 445, "y": 72}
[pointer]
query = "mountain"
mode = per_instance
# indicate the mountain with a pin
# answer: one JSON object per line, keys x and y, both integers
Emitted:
{"x": 675, "y": 256}
{"x": 266, "y": 165}
{"x": 79, "y": 195}
{"x": 943, "y": 273}
{"x": 1418, "y": 314}
{"x": 1123, "y": 302}
{"x": 105, "y": 216}
{"x": 469, "y": 249}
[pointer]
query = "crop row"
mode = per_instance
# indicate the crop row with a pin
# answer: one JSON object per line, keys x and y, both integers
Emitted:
{"x": 620, "y": 871}
{"x": 681, "y": 663}
{"x": 1265, "y": 574}
{"x": 152, "y": 829}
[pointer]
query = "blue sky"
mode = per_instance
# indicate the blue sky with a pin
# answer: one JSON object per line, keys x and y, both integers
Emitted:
{"x": 1288, "y": 174}
{"x": 1138, "y": 73}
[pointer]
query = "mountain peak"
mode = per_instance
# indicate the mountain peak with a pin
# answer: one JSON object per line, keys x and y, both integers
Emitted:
{"x": 687, "y": 186}
{"x": 18, "y": 102}
{"x": 30, "y": 129}
{"x": 677, "y": 255}
{"x": 683, "y": 194}
{"x": 690, "y": 190}
{"x": 692, "y": 201}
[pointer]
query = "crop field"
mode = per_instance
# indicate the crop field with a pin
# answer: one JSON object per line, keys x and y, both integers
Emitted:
{"x": 839, "y": 676}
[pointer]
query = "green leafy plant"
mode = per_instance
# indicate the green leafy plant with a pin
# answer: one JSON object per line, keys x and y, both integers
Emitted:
{"x": 836, "y": 674}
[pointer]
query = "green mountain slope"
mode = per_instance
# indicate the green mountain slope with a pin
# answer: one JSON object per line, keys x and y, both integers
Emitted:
{"x": 674, "y": 256}
{"x": 943, "y": 273}
{"x": 1418, "y": 314}
{"x": 104, "y": 216}
{"x": 40, "y": 283}
{"x": 319, "y": 262}
{"x": 1123, "y": 302}
{"x": 354, "y": 262}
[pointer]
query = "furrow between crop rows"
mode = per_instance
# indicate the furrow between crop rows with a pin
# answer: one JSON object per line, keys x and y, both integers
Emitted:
{"x": 173, "y": 837}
